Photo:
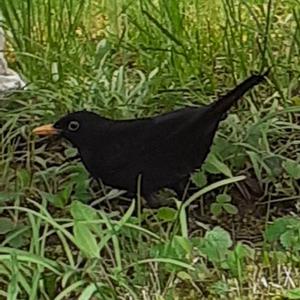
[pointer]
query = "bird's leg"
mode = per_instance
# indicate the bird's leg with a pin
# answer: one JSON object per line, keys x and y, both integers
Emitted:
{"x": 99, "y": 183}
{"x": 100, "y": 198}
{"x": 181, "y": 188}
{"x": 94, "y": 198}
{"x": 153, "y": 200}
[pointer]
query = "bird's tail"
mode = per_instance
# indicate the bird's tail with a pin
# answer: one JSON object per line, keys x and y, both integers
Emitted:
{"x": 226, "y": 101}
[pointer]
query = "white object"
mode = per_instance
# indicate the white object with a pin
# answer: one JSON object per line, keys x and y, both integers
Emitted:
{"x": 9, "y": 79}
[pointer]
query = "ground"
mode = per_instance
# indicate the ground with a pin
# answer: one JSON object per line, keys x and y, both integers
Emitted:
{"x": 62, "y": 237}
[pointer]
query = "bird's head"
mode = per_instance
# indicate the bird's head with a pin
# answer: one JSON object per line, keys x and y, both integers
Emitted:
{"x": 78, "y": 127}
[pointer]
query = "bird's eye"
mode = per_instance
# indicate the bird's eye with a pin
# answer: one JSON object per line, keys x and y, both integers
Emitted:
{"x": 73, "y": 126}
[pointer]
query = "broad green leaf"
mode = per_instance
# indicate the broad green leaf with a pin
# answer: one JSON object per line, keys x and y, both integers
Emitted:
{"x": 279, "y": 226}
{"x": 296, "y": 100}
{"x": 254, "y": 134}
{"x": 293, "y": 168}
{"x": 167, "y": 214}
{"x": 290, "y": 240}
{"x": 50, "y": 283}
{"x": 23, "y": 177}
{"x": 83, "y": 212}
{"x": 184, "y": 276}
{"x": 6, "y": 225}
{"x": 184, "y": 243}
{"x": 274, "y": 164}
{"x": 220, "y": 288}
{"x": 235, "y": 260}
{"x": 231, "y": 209}
{"x": 223, "y": 147}
{"x": 7, "y": 196}
{"x": 58, "y": 200}
{"x": 242, "y": 251}
{"x": 215, "y": 244}
{"x": 88, "y": 292}
{"x": 19, "y": 237}
{"x": 65, "y": 194}
{"x": 293, "y": 294}
{"x": 216, "y": 209}
{"x": 223, "y": 198}
{"x": 199, "y": 179}
{"x": 214, "y": 165}
{"x": 220, "y": 236}
{"x": 17, "y": 241}
{"x": 51, "y": 198}
{"x": 85, "y": 240}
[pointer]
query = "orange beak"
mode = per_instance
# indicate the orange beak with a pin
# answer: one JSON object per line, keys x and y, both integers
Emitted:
{"x": 45, "y": 130}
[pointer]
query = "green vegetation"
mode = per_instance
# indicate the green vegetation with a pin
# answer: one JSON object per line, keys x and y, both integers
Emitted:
{"x": 126, "y": 59}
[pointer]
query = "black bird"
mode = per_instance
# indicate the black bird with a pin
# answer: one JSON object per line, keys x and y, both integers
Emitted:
{"x": 164, "y": 149}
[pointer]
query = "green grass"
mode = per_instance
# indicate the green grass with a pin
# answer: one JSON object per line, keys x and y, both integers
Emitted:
{"x": 128, "y": 59}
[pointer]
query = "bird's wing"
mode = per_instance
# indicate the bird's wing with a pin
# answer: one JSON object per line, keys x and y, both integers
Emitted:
{"x": 163, "y": 149}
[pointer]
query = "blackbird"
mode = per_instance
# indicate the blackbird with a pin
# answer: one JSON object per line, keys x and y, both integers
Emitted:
{"x": 164, "y": 149}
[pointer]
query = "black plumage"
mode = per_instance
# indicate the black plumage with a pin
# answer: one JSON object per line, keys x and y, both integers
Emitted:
{"x": 164, "y": 149}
